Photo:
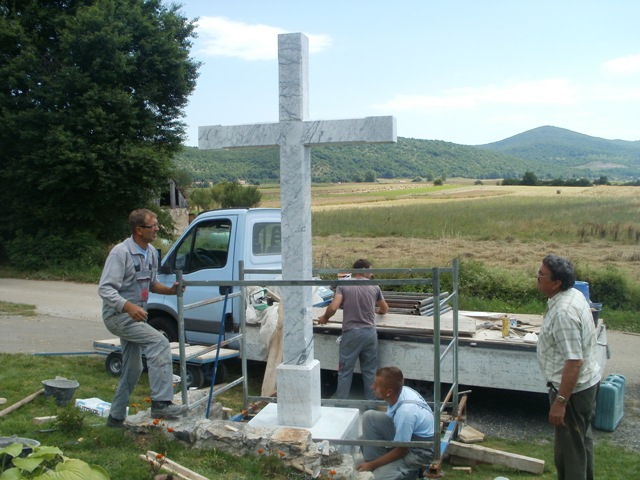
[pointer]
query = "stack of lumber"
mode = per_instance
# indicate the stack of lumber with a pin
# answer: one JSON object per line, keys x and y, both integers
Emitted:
{"x": 410, "y": 303}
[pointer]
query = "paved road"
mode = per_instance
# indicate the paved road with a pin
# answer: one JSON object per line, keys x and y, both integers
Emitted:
{"x": 69, "y": 319}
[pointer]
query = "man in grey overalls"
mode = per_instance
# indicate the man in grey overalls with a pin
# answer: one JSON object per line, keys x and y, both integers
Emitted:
{"x": 128, "y": 276}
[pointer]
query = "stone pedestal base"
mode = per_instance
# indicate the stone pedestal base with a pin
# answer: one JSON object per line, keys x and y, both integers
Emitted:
{"x": 334, "y": 423}
{"x": 299, "y": 394}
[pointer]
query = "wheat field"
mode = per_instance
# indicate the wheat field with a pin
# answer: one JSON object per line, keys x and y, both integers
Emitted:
{"x": 510, "y": 227}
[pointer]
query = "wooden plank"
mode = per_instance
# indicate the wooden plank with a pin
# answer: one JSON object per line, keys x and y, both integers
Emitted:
{"x": 41, "y": 420}
{"x": 172, "y": 467}
{"x": 414, "y": 324}
{"x": 22, "y": 402}
{"x": 496, "y": 457}
{"x": 113, "y": 344}
{"x": 470, "y": 435}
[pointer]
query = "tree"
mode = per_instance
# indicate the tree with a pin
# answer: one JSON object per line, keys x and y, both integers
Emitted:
{"x": 529, "y": 178}
{"x": 370, "y": 176}
{"x": 202, "y": 198}
{"x": 92, "y": 96}
{"x": 232, "y": 194}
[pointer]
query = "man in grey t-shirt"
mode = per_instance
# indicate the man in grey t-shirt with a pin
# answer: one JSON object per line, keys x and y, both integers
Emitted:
{"x": 360, "y": 302}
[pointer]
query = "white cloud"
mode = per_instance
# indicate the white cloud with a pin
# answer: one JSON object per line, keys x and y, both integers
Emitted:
{"x": 539, "y": 92}
{"x": 623, "y": 66}
{"x": 616, "y": 94}
{"x": 222, "y": 37}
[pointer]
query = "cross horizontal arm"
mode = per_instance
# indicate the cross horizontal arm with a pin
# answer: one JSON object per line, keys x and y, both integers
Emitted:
{"x": 318, "y": 133}
{"x": 237, "y": 136}
{"x": 365, "y": 130}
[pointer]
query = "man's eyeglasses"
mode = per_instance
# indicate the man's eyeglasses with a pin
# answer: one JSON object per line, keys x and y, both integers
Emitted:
{"x": 155, "y": 225}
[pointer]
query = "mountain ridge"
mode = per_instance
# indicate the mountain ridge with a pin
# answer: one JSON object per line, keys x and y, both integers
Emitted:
{"x": 549, "y": 152}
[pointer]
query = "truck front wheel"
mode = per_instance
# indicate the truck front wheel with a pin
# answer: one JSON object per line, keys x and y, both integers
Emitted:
{"x": 167, "y": 326}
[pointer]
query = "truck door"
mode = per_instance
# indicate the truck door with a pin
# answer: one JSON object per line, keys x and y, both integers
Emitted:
{"x": 206, "y": 254}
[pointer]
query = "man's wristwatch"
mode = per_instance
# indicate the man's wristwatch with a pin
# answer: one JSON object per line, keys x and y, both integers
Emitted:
{"x": 561, "y": 399}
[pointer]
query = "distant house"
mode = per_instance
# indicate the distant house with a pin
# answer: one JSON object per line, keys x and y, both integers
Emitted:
{"x": 174, "y": 200}
{"x": 173, "y": 197}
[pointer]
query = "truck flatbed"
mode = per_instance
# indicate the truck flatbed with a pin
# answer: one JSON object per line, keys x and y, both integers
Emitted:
{"x": 485, "y": 358}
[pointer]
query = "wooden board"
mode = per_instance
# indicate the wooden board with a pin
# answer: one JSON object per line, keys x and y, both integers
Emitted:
{"x": 497, "y": 457}
{"x": 413, "y": 324}
{"x": 204, "y": 354}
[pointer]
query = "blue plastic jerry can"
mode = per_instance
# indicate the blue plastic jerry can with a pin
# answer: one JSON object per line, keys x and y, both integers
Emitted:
{"x": 610, "y": 403}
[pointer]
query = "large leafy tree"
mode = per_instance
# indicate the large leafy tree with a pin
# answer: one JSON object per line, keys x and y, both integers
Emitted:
{"x": 92, "y": 97}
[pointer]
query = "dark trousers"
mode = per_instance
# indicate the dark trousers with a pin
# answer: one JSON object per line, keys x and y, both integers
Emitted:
{"x": 573, "y": 446}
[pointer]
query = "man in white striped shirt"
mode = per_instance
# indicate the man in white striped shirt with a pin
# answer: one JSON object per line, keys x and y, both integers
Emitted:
{"x": 567, "y": 357}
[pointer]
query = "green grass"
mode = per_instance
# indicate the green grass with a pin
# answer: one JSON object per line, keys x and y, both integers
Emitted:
{"x": 524, "y": 218}
{"x": 118, "y": 451}
{"x": 7, "y": 308}
{"x": 94, "y": 443}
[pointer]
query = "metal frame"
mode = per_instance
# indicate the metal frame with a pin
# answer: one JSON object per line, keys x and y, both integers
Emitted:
{"x": 441, "y": 441}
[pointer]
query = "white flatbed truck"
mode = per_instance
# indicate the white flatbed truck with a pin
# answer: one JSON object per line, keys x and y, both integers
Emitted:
{"x": 485, "y": 358}
{"x": 216, "y": 242}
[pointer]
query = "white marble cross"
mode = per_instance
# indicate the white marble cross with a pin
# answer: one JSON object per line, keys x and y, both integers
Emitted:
{"x": 298, "y": 377}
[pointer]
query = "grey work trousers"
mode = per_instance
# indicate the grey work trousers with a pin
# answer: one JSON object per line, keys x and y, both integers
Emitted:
{"x": 573, "y": 445}
{"x": 136, "y": 337}
{"x": 357, "y": 344}
{"x": 378, "y": 425}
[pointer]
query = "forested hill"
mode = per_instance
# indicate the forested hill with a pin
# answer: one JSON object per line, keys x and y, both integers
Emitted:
{"x": 430, "y": 159}
{"x": 409, "y": 158}
{"x": 549, "y": 146}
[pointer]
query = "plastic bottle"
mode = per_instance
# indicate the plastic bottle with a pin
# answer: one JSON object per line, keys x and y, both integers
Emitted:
{"x": 505, "y": 326}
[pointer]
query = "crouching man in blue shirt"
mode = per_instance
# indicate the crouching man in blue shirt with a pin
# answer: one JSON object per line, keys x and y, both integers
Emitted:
{"x": 408, "y": 418}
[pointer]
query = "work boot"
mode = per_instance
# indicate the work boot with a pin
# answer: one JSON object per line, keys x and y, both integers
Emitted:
{"x": 166, "y": 409}
{"x": 114, "y": 422}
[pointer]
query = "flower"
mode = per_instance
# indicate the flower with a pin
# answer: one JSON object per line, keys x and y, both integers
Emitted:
{"x": 261, "y": 451}
{"x": 159, "y": 456}
{"x": 156, "y": 421}
{"x": 148, "y": 399}
{"x": 332, "y": 472}
{"x": 169, "y": 429}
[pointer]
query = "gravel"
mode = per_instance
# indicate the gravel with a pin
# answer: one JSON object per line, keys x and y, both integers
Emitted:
{"x": 523, "y": 416}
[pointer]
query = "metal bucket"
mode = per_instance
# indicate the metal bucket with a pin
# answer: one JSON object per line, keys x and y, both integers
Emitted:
{"x": 61, "y": 389}
{"x": 176, "y": 383}
{"x": 28, "y": 445}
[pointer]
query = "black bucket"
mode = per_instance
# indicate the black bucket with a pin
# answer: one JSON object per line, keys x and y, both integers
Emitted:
{"x": 28, "y": 445}
{"x": 596, "y": 308}
{"x": 61, "y": 389}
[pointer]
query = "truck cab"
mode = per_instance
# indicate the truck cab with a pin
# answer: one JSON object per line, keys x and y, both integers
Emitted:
{"x": 209, "y": 250}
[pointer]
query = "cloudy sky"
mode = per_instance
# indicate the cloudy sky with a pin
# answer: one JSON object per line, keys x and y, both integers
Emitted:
{"x": 462, "y": 71}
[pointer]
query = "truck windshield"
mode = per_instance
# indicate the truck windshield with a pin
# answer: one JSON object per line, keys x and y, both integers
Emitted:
{"x": 206, "y": 246}
{"x": 266, "y": 239}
